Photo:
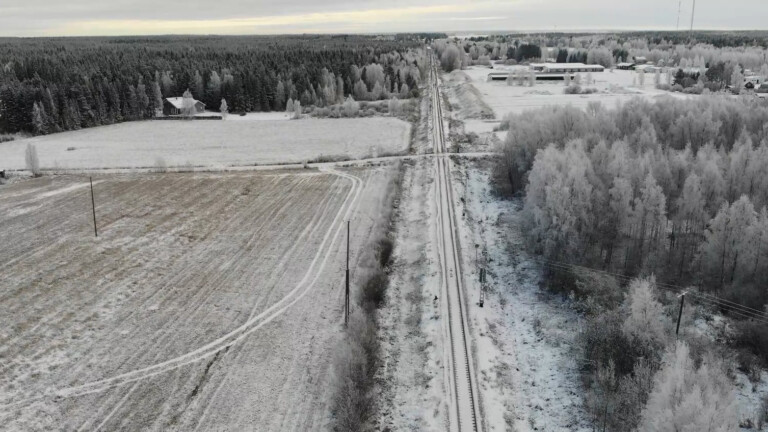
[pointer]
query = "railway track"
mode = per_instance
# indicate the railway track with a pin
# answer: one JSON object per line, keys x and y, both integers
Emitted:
{"x": 463, "y": 401}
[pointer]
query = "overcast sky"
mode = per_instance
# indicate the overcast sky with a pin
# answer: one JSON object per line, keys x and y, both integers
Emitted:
{"x": 142, "y": 17}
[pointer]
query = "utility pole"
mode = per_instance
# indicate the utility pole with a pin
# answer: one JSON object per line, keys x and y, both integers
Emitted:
{"x": 680, "y": 314}
{"x": 679, "y": 6}
{"x": 693, "y": 10}
{"x": 346, "y": 288}
{"x": 93, "y": 206}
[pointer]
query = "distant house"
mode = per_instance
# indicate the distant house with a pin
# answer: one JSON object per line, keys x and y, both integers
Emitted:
{"x": 756, "y": 81}
{"x": 175, "y": 106}
{"x": 625, "y": 66}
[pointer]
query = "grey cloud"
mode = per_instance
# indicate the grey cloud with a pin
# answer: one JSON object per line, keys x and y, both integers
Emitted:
{"x": 38, "y": 17}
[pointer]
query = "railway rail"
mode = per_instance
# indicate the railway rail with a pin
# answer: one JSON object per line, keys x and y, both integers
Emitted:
{"x": 463, "y": 401}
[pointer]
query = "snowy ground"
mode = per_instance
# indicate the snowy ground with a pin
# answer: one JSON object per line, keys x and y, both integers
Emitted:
{"x": 208, "y": 301}
{"x": 268, "y": 139}
{"x": 614, "y": 87}
{"x": 413, "y": 393}
{"x": 524, "y": 337}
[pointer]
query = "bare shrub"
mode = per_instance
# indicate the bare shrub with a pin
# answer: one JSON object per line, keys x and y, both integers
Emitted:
{"x": 762, "y": 414}
{"x": 352, "y": 400}
{"x": 160, "y": 165}
{"x": 357, "y": 358}
{"x": 753, "y": 336}
{"x": 373, "y": 291}
{"x": 32, "y": 161}
{"x": 384, "y": 249}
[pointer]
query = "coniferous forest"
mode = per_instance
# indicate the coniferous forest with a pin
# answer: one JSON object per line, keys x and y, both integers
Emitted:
{"x": 56, "y": 84}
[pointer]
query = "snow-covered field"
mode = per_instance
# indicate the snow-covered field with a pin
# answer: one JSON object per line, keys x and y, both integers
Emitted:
{"x": 613, "y": 87}
{"x": 208, "y": 301}
{"x": 267, "y": 139}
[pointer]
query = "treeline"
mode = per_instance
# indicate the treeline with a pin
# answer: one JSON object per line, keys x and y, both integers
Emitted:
{"x": 673, "y": 188}
{"x": 673, "y": 192}
{"x": 606, "y": 50}
{"x": 55, "y": 84}
{"x": 718, "y": 39}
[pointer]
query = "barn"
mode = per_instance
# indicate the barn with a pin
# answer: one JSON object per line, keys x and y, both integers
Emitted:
{"x": 175, "y": 106}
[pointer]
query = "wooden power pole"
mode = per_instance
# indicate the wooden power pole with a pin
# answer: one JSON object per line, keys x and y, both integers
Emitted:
{"x": 93, "y": 207}
{"x": 680, "y": 314}
{"x": 346, "y": 283}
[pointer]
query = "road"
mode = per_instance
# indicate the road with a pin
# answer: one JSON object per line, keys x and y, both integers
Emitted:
{"x": 463, "y": 402}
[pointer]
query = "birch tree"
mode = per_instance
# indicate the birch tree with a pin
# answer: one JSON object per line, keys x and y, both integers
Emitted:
{"x": 685, "y": 398}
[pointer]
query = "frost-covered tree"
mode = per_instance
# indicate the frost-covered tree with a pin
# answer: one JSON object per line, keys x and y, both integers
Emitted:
{"x": 351, "y": 107}
{"x": 520, "y": 78}
{"x": 223, "y": 108}
{"x": 645, "y": 321}
{"x": 374, "y": 73}
{"x": 213, "y": 89}
{"x": 377, "y": 92}
{"x": 167, "y": 83}
{"x": 297, "y": 110}
{"x": 157, "y": 98}
{"x": 289, "y": 106}
{"x": 451, "y": 58}
{"x": 360, "y": 91}
{"x": 641, "y": 78}
{"x": 531, "y": 79}
{"x": 685, "y": 398}
{"x": 691, "y": 217}
{"x": 559, "y": 198}
{"x": 32, "y": 161}
{"x": 188, "y": 104}
{"x": 737, "y": 80}
{"x": 726, "y": 253}
{"x": 39, "y": 119}
{"x": 197, "y": 85}
{"x": 601, "y": 56}
{"x": 567, "y": 79}
{"x": 394, "y": 106}
{"x": 404, "y": 90}
{"x": 650, "y": 213}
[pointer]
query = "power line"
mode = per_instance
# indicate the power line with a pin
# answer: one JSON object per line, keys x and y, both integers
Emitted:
{"x": 739, "y": 309}
{"x": 693, "y": 10}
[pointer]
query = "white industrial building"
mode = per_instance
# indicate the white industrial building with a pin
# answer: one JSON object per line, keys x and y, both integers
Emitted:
{"x": 561, "y": 68}
{"x": 546, "y": 71}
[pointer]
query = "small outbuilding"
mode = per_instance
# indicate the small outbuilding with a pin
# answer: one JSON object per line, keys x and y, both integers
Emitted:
{"x": 175, "y": 106}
